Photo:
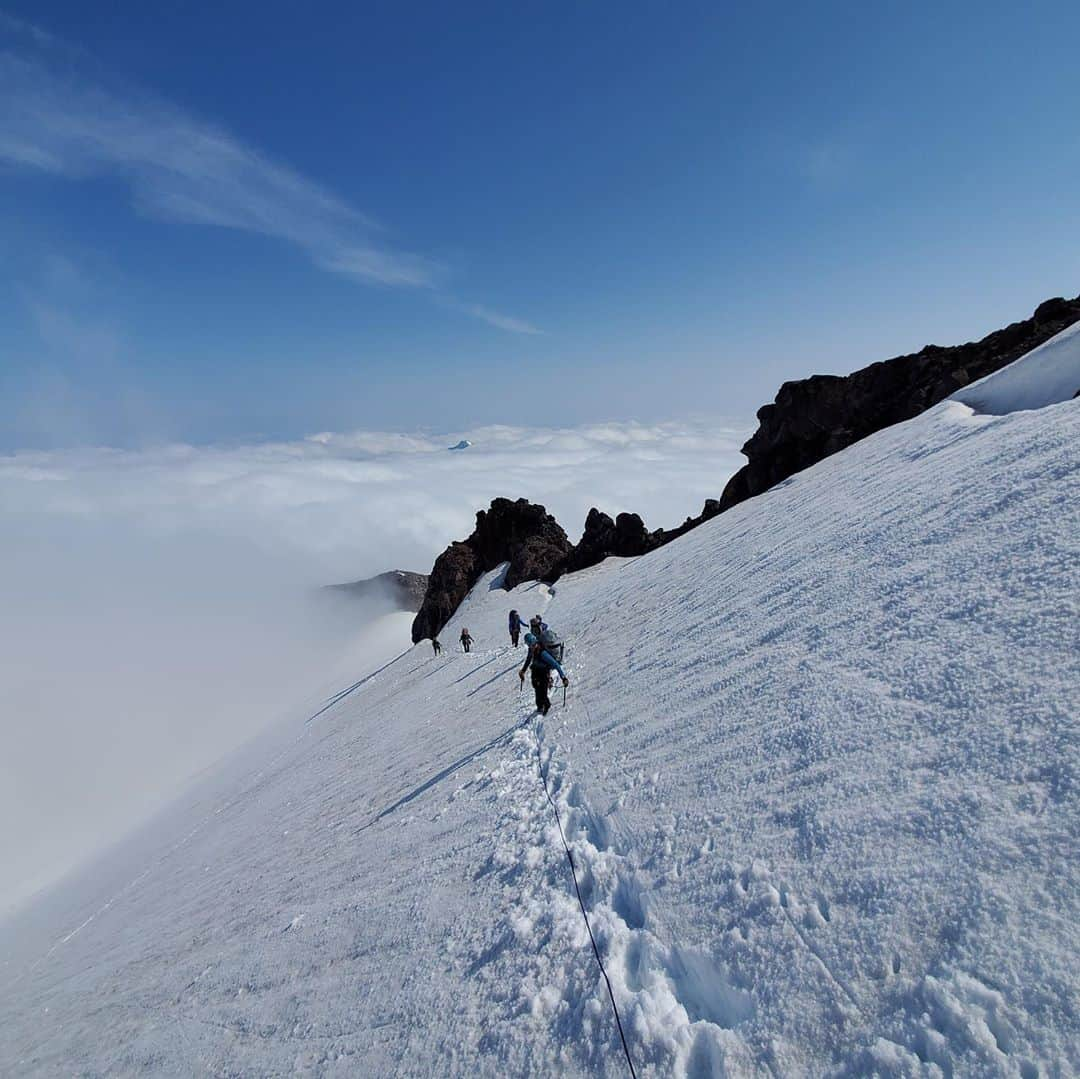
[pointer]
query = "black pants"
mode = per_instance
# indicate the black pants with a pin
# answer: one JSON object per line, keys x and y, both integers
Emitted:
{"x": 514, "y": 634}
{"x": 541, "y": 682}
{"x": 465, "y": 642}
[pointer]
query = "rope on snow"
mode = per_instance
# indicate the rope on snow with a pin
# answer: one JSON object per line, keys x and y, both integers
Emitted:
{"x": 581, "y": 903}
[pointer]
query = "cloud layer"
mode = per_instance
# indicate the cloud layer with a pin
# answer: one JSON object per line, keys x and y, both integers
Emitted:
{"x": 159, "y": 606}
{"x": 181, "y": 169}
{"x": 339, "y": 503}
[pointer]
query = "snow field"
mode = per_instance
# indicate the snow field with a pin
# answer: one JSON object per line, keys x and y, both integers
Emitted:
{"x": 865, "y": 716}
{"x": 817, "y": 771}
{"x": 675, "y": 1003}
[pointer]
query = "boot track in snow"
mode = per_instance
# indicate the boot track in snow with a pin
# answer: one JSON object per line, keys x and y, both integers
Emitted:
{"x": 581, "y": 902}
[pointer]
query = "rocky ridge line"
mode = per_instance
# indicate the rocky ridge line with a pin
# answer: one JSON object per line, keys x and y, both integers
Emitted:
{"x": 815, "y": 417}
{"x": 809, "y": 420}
{"x": 402, "y": 589}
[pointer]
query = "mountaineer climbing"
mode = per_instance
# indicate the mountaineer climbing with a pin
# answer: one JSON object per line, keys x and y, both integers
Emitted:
{"x": 547, "y": 636}
{"x": 466, "y": 639}
{"x": 542, "y": 663}
{"x": 435, "y": 645}
{"x": 515, "y": 627}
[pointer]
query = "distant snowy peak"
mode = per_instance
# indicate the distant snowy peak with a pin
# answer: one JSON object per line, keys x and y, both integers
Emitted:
{"x": 464, "y": 444}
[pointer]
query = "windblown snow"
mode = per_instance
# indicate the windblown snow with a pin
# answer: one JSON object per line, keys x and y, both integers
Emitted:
{"x": 817, "y": 770}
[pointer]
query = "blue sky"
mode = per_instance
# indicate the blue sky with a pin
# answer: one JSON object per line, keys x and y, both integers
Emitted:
{"x": 247, "y": 222}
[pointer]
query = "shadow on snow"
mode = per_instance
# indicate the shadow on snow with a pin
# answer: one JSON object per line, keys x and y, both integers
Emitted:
{"x": 448, "y": 771}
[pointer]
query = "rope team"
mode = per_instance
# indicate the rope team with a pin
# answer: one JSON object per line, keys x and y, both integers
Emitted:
{"x": 543, "y": 656}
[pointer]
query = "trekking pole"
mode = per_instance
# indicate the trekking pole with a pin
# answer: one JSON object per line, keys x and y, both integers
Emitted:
{"x": 564, "y": 694}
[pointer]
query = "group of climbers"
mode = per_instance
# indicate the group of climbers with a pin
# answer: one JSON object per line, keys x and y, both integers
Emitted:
{"x": 466, "y": 642}
{"x": 543, "y": 657}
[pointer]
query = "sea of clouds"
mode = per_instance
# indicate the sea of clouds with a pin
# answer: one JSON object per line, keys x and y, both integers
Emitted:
{"x": 161, "y": 606}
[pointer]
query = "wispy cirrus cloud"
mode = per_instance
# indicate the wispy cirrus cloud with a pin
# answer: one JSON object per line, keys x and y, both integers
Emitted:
{"x": 385, "y": 267}
{"x": 20, "y": 27}
{"x": 181, "y": 169}
{"x": 503, "y": 322}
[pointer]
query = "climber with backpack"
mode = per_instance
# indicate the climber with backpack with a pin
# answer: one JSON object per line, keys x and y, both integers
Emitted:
{"x": 515, "y": 627}
{"x": 466, "y": 639}
{"x": 543, "y": 663}
{"x": 547, "y": 636}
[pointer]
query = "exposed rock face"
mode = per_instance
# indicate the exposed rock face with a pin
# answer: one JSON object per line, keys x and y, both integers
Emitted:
{"x": 537, "y": 549}
{"x": 809, "y": 420}
{"x": 817, "y": 416}
{"x": 626, "y": 536}
{"x": 403, "y": 590}
{"x": 455, "y": 571}
{"x": 524, "y": 534}
{"x": 709, "y": 511}
{"x": 521, "y": 533}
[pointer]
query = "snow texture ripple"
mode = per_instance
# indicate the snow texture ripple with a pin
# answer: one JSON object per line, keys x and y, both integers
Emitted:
{"x": 817, "y": 770}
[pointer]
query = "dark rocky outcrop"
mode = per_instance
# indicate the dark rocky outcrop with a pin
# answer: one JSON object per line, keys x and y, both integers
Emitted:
{"x": 537, "y": 549}
{"x": 809, "y": 420}
{"x": 524, "y": 534}
{"x": 400, "y": 589}
{"x": 626, "y": 536}
{"x": 710, "y": 510}
{"x": 815, "y": 417}
{"x": 455, "y": 571}
{"x": 520, "y": 533}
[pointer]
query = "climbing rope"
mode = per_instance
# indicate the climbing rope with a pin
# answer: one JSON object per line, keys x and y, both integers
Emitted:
{"x": 581, "y": 903}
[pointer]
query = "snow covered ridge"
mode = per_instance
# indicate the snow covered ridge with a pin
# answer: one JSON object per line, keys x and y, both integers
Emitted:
{"x": 815, "y": 417}
{"x": 1045, "y": 376}
{"x": 810, "y": 420}
{"x": 817, "y": 772}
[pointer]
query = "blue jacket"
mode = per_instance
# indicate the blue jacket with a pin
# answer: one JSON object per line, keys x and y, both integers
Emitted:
{"x": 515, "y": 621}
{"x": 544, "y": 657}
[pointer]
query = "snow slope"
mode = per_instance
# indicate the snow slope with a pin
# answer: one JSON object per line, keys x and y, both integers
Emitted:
{"x": 818, "y": 772}
{"x": 1046, "y": 375}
